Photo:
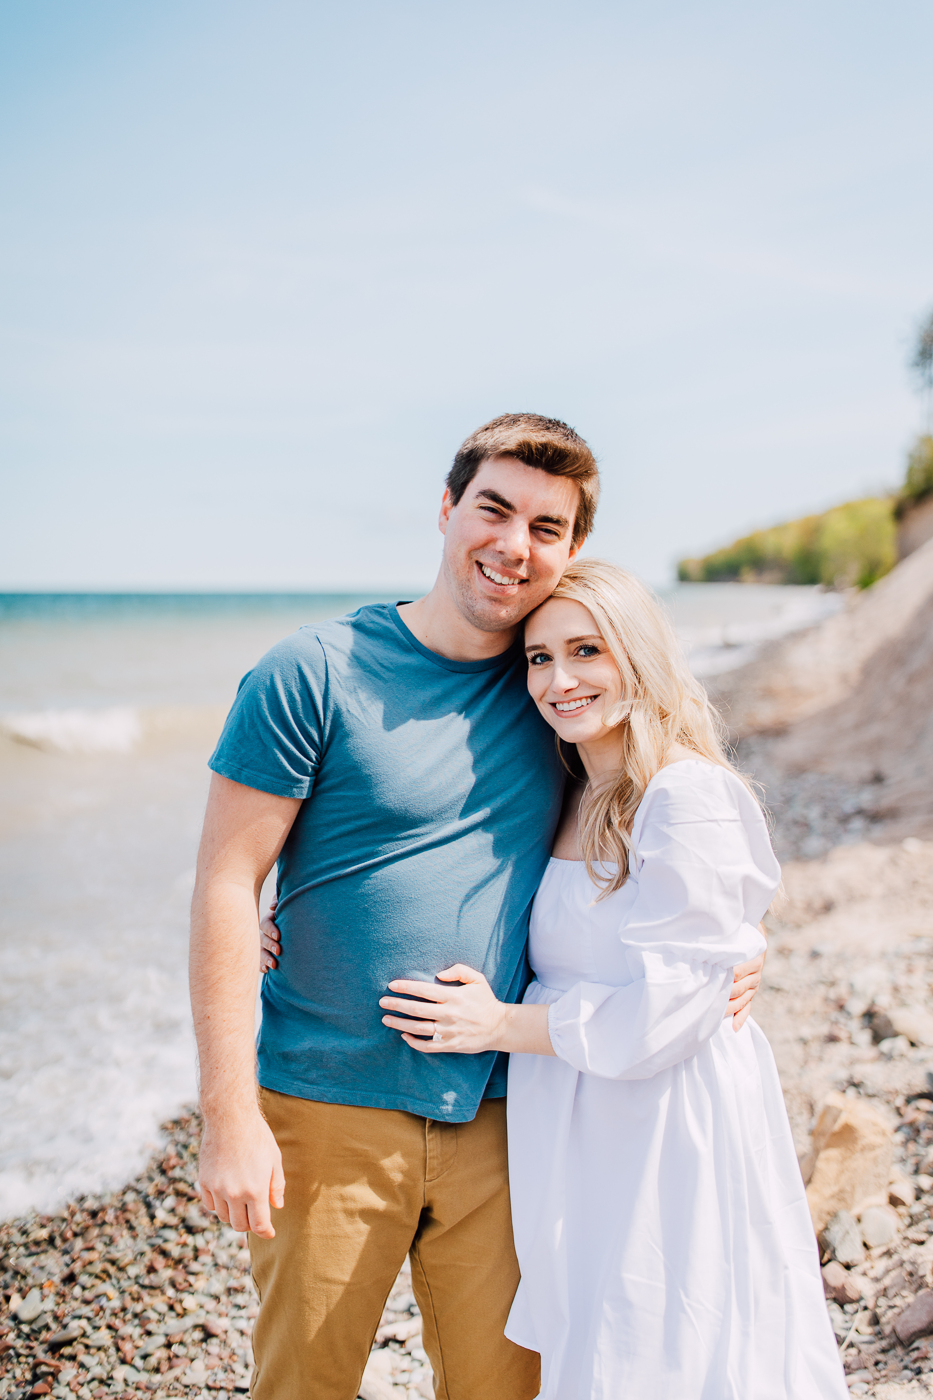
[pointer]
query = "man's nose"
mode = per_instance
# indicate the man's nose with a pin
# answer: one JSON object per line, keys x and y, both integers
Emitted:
{"x": 514, "y": 541}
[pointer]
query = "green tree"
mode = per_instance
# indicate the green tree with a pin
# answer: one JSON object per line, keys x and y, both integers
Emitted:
{"x": 851, "y": 545}
{"x": 857, "y": 543}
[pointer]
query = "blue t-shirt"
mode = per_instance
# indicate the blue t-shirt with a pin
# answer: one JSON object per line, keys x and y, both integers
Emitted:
{"x": 432, "y": 790}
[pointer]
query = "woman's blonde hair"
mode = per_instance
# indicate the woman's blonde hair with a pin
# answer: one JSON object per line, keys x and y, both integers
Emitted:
{"x": 661, "y": 704}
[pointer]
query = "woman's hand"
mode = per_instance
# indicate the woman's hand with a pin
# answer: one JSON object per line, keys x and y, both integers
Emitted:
{"x": 270, "y": 949}
{"x": 466, "y": 1019}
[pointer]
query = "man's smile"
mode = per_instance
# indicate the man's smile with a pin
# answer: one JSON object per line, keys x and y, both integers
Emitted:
{"x": 502, "y": 580}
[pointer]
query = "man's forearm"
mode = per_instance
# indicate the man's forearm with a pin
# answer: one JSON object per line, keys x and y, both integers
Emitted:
{"x": 224, "y": 971}
{"x": 240, "y": 1172}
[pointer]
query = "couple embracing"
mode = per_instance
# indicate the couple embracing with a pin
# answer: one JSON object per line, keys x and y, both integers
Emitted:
{"x": 512, "y": 855}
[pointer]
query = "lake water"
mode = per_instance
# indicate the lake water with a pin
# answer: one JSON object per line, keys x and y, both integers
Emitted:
{"x": 109, "y": 708}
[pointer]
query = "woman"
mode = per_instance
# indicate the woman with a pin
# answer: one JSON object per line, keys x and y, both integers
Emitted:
{"x": 660, "y": 1219}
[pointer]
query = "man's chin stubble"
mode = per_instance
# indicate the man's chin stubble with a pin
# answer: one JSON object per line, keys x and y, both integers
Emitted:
{"x": 487, "y": 614}
{"x": 490, "y": 616}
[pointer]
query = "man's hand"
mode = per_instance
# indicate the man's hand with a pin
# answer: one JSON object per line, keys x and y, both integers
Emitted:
{"x": 746, "y": 981}
{"x": 240, "y": 1174}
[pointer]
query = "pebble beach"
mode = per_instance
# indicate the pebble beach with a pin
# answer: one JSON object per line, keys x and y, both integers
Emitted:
{"x": 137, "y": 1292}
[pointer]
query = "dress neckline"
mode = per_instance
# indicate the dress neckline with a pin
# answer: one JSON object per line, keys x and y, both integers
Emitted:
{"x": 560, "y": 860}
{"x": 611, "y": 864}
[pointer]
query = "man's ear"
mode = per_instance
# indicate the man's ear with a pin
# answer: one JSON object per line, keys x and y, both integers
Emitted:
{"x": 447, "y": 506}
{"x": 575, "y": 549}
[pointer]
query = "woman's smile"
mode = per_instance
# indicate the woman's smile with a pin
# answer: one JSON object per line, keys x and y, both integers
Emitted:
{"x": 566, "y": 707}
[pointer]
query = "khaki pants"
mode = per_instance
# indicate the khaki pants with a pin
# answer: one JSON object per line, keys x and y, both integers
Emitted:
{"x": 363, "y": 1188}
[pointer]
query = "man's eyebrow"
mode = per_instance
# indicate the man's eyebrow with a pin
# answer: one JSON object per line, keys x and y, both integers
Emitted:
{"x": 487, "y": 494}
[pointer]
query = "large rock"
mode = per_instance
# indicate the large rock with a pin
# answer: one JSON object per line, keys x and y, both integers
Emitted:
{"x": 901, "y": 1191}
{"x": 840, "y": 1285}
{"x": 842, "y": 1239}
{"x": 879, "y": 1225}
{"x": 850, "y": 1159}
{"x": 913, "y": 1022}
{"x": 31, "y": 1306}
{"x": 377, "y": 1378}
{"x": 916, "y": 1320}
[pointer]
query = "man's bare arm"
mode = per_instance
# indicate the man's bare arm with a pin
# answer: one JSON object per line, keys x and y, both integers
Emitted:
{"x": 241, "y": 1166}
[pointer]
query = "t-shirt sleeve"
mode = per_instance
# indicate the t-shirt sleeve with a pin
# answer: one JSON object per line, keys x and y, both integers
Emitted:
{"x": 705, "y": 870}
{"x": 274, "y": 735}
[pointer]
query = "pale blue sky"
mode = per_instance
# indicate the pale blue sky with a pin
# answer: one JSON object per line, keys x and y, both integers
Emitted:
{"x": 264, "y": 266}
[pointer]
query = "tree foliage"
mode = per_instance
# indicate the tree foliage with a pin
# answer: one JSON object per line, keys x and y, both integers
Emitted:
{"x": 852, "y": 544}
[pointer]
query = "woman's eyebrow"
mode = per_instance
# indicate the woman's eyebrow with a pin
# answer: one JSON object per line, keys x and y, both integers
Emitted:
{"x": 568, "y": 641}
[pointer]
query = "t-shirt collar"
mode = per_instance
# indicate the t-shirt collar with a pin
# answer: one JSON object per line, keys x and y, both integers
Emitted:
{"x": 491, "y": 663}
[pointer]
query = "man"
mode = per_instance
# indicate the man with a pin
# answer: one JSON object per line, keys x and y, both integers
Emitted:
{"x": 393, "y": 764}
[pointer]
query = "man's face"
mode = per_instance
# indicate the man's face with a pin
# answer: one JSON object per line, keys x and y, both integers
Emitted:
{"x": 507, "y": 542}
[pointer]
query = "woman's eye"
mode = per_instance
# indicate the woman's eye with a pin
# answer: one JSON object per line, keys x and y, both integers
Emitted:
{"x": 589, "y": 650}
{"x": 538, "y": 659}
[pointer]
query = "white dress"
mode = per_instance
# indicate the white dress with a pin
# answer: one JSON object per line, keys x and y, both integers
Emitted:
{"x": 660, "y": 1219}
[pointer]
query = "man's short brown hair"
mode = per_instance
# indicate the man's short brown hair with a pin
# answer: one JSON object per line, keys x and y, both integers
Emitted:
{"x": 545, "y": 443}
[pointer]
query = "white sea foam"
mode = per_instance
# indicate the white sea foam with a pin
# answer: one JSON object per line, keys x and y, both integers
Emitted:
{"x": 96, "y": 1042}
{"x": 718, "y": 644}
{"x": 114, "y": 730}
{"x": 85, "y": 1082}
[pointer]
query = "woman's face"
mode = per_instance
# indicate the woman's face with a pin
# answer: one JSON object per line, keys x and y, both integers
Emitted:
{"x": 572, "y": 677}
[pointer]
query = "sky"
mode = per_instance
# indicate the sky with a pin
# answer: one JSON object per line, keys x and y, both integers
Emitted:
{"x": 263, "y": 267}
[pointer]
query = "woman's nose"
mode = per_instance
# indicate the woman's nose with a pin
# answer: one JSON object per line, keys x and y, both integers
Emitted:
{"x": 563, "y": 680}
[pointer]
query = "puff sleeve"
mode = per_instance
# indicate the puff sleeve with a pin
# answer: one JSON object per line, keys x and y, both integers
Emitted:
{"x": 706, "y": 874}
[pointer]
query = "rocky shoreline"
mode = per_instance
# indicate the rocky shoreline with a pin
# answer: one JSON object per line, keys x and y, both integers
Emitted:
{"x": 844, "y": 1004}
{"x": 139, "y": 1293}
{"x": 128, "y": 1292}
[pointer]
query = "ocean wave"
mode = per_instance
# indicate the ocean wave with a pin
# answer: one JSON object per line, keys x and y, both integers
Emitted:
{"x": 114, "y": 730}
{"x": 118, "y": 729}
{"x": 97, "y": 1054}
